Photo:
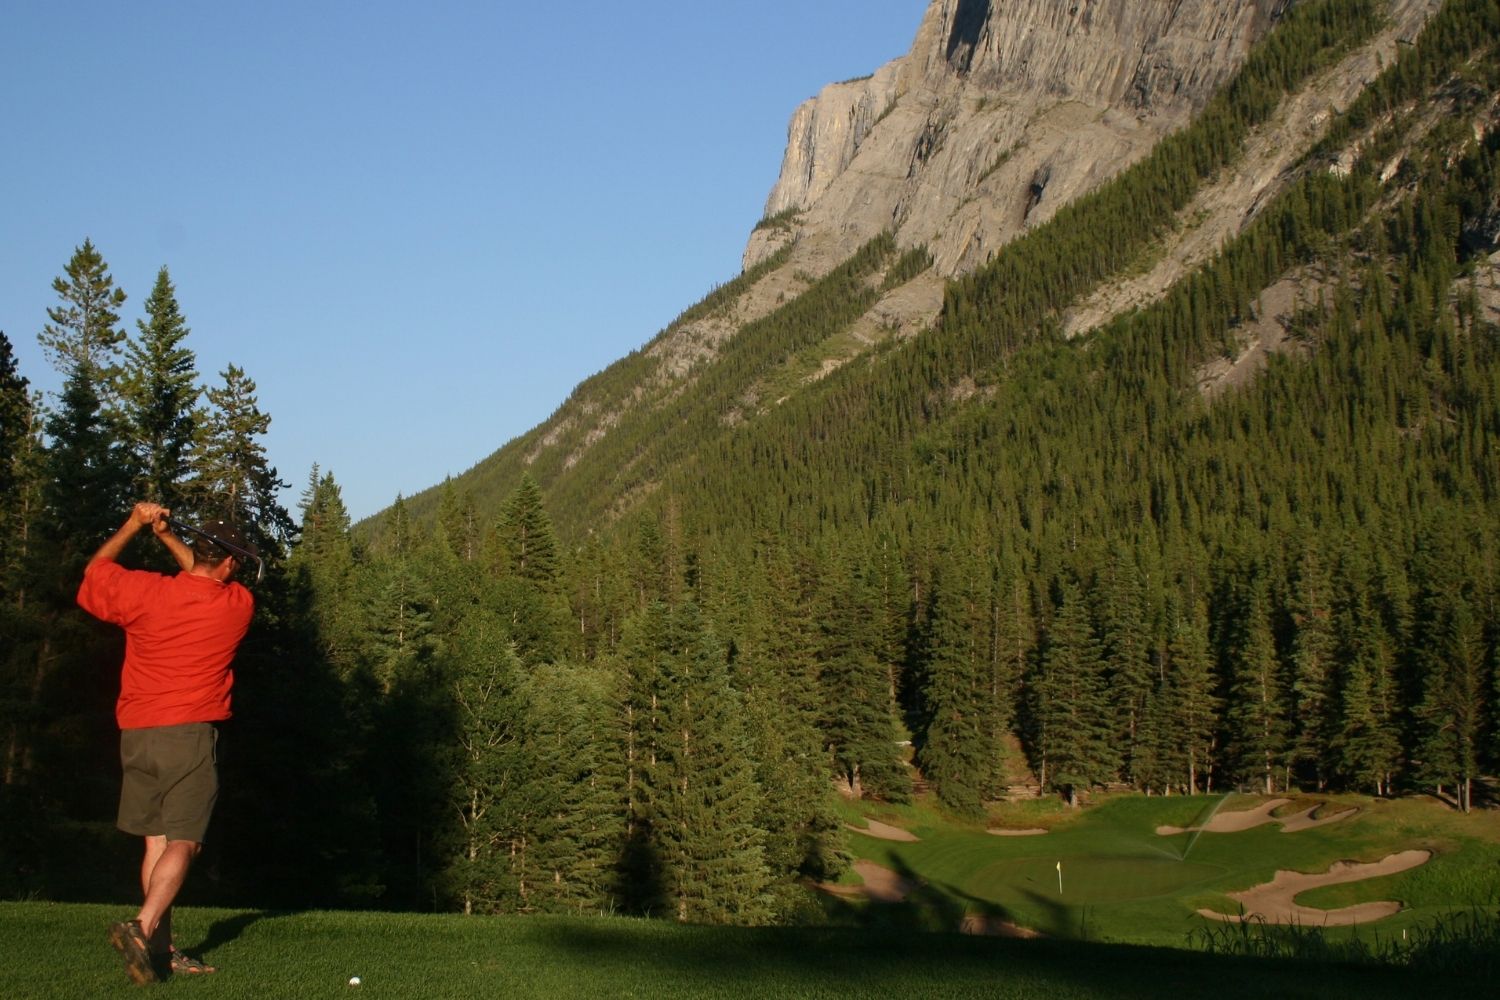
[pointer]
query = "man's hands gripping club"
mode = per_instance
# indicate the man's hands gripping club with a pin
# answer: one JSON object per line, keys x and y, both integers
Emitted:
{"x": 146, "y": 515}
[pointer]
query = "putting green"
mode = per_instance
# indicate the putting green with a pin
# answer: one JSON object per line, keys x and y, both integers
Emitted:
{"x": 1090, "y": 879}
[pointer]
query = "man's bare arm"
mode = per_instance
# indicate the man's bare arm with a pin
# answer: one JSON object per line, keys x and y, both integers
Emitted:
{"x": 180, "y": 550}
{"x": 142, "y": 515}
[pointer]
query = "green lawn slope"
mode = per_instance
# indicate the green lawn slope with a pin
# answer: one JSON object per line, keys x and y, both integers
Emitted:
{"x": 1124, "y": 882}
{"x": 60, "y": 950}
{"x": 1123, "y": 925}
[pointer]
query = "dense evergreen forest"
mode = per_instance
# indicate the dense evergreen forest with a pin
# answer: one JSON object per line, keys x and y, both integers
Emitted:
{"x": 982, "y": 555}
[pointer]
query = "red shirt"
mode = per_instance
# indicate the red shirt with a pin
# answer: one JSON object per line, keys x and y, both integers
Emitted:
{"x": 181, "y": 633}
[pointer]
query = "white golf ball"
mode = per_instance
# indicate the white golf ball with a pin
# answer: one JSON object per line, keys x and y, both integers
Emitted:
{"x": 353, "y": 980}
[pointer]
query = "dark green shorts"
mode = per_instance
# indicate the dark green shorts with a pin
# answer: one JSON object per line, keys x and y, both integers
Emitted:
{"x": 171, "y": 780}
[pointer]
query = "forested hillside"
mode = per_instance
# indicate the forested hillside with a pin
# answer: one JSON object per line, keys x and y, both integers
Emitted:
{"x": 629, "y": 671}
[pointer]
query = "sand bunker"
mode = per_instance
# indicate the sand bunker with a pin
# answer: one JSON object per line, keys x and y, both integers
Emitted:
{"x": 1275, "y": 902}
{"x": 979, "y": 923}
{"x": 1034, "y": 831}
{"x": 1304, "y": 820}
{"x": 1245, "y": 819}
{"x": 881, "y": 884}
{"x": 884, "y": 831}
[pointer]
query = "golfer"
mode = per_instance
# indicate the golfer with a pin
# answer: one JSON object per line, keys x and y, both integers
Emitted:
{"x": 181, "y": 633}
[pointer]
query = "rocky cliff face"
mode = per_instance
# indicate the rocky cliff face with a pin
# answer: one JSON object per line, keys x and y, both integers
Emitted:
{"x": 1000, "y": 113}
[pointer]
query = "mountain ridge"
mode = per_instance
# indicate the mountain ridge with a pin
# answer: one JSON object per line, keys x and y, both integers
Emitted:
{"x": 645, "y": 382}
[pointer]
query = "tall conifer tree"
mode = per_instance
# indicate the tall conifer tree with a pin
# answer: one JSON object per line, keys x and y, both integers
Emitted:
{"x": 231, "y": 476}
{"x": 1075, "y": 726}
{"x": 704, "y": 795}
{"x": 160, "y": 393}
{"x": 83, "y": 336}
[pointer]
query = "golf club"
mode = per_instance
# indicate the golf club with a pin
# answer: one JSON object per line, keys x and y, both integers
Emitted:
{"x": 238, "y": 551}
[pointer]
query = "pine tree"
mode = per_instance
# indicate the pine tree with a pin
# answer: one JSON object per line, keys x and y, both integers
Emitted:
{"x": 958, "y": 752}
{"x": 231, "y": 477}
{"x": 528, "y": 544}
{"x": 1126, "y": 647}
{"x": 1190, "y": 709}
{"x": 18, "y": 448}
{"x": 491, "y": 767}
{"x": 639, "y": 668}
{"x": 20, "y": 627}
{"x": 530, "y": 590}
{"x": 401, "y": 640}
{"x": 160, "y": 394}
{"x": 1075, "y": 728}
{"x": 1450, "y": 655}
{"x": 82, "y": 337}
{"x": 458, "y": 522}
{"x": 1256, "y": 711}
{"x": 1366, "y": 744}
{"x": 87, "y": 486}
{"x": 769, "y": 670}
{"x": 86, "y": 489}
{"x": 704, "y": 794}
{"x": 860, "y": 718}
{"x": 577, "y": 840}
{"x": 324, "y": 560}
{"x": 1312, "y": 689}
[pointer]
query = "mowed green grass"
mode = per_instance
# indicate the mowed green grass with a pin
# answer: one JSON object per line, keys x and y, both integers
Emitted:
{"x": 60, "y": 950}
{"x": 1123, "y": 882}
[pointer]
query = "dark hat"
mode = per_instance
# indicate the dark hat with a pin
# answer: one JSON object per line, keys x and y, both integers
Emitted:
{"x": 227, "y": 537}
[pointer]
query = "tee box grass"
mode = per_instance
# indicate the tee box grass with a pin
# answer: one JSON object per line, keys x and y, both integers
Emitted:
{"x": 60, "y": 951}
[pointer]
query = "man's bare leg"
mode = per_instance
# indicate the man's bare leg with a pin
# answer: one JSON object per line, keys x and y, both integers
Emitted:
{"x": 163, "y": 870}
{"x": 161, "y": 939}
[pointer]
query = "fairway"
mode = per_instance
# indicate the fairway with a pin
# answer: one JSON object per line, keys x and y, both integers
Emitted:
{"x": 1123, "y": 881}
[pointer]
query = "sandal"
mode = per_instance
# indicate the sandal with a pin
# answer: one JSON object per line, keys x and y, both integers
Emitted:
{"x": 186, "y": 965}
{"x": 130, "y": 941}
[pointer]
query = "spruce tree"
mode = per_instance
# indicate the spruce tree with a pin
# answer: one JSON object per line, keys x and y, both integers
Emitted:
{"x": 160, "y": 395}
{"x": 1366, "y": 744}
{"x": 578, "y": 837}
{"x": 1075, "y": 726}
{"x": 1126, "y": 647}
{"x": 526, "y": 562}
{"x": 639, "y": 666}
{"x": 86, "y": 490}
{"x": 1256, "y": 715}
{"x": 1190, "y": 707}
{"x": 958, "y": 752}
{"x": 1450, "y": 658}
{"x": 324, "y": 562}
{"x": 18, "y": 480}
{"x": 231, "y": 477}
{"x": 704, "y": 795}
{"x": 528, "y": 544}
{"x": 1313, "y": 668}
{"x": 860, "y": 720}
{"x": 491, "y": 764}
{"x": 83, "y": 336}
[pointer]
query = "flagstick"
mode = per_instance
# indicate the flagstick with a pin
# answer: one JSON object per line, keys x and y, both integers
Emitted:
{"x": 1059, "y": 878}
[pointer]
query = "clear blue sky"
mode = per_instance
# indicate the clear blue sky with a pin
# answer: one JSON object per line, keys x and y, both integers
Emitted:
{"x": 416, "y": 226}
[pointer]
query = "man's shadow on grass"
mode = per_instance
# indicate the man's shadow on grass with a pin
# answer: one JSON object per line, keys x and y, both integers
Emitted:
{"x": 227, "y": 929}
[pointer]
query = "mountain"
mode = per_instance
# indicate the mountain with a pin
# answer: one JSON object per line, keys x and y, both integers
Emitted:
{"x": 999, "y": 115}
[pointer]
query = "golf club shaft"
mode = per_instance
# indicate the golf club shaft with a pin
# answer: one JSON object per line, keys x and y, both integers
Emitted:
{"x": 240, "y": 552}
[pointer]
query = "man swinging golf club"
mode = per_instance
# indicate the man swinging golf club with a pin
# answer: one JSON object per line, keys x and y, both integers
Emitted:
{"x": 181, "y": 634}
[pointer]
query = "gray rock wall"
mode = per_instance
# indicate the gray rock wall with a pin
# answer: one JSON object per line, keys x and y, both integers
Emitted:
{"x": 1000, "y": 112}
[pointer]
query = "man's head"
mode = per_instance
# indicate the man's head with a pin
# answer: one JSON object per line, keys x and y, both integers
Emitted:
{"x": 208, "y": 553}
